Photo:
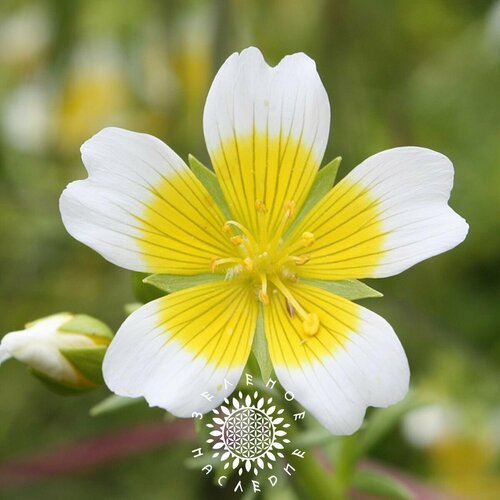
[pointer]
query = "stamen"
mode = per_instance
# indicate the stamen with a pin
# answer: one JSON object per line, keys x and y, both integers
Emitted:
{"x": 260, "y": 207}
{"x": 263, "y": 296}
{"x": 242, "y": 228}
{"x": 311, "y": 324}
{"x": 236, "y": 240}
{"x": 289, "y": 211}
{"x": 248, "y": 263}
{"x": 217, "y": 261}
{"x": 301, "y": 259}
{"x": 307, "y": 239}
{"x": 290, "y": 208}
{"x": 310, "y": 321}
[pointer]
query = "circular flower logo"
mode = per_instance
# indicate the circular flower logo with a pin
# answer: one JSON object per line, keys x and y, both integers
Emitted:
{"x": 248, "y": 433}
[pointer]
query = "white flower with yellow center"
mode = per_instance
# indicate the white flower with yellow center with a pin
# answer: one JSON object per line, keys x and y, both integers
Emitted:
{"x": 260, "y": 247}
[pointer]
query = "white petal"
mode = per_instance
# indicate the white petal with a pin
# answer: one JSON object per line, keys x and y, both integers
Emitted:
{"x": 142, "y": 208}
{"x": 354, "y": 361}
{"x": 388, "y": 214}
{"x": 263, "y": 126}
{"x": 177, "y": 348}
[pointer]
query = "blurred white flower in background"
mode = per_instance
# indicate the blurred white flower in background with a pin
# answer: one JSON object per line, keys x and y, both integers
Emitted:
{"x": 25, "y": 36}
{"x": 27, "y": 120}
{"x": 428, "y": 425}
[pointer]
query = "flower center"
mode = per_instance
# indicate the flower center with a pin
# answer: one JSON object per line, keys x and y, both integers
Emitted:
{"x": 268, "y": 264}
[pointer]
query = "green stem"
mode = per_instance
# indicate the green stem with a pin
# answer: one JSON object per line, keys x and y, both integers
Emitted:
{"x": 346, "y": 464}
{"x": 312, "y": 479}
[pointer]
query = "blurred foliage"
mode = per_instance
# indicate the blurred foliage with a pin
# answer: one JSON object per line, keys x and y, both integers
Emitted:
{"x": 397, "y": 73}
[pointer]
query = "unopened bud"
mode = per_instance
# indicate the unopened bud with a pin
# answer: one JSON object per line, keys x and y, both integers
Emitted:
{"x": 65, "y": 351}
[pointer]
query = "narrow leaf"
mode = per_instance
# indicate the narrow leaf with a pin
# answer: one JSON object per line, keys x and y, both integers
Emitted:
{"x": 260, "y": 350}
{"x": 349, "y": 289}
{"x": 323, "y": 182}
{"x": 209, "y": 180}
{"x": 172, "y": 283}
{"x": 113, "y": 403}
{"x": 377, "y": 483}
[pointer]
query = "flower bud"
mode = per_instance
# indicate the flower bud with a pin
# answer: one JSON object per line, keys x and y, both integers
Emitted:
{"x": 65, "y": 351}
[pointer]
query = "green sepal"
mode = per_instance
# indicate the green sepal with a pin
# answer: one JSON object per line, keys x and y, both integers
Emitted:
{"x": 260, "y": 349}
{"x": 88, "y": 361}
{"x": 209, "y": 180}
{"x": 377, "y": 483}
{"x": 323, "y": 182}
{"x": 349, "y": 289}
{"x": 112, "y": 404}
{"x": 144, "y": 292}
{"x": 58, "y": 387}
{"x": 172, "y": 283}
{"x": 86, "y": 325}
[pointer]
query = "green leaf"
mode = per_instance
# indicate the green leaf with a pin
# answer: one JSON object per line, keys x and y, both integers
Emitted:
{"x": 144, "y": 292}
{"x": 172, "y": 283}
{"x": 113, "y": 403}
{"x": 323, "y": 182}
{"x": 86, "y": 325}
{"x": 377, "y": 483}
{"x": 260, "y": 350}
{"x": 58, "y": 387}
{"x": 349, "y": 289}
{"x": 88, "y": 361}
{"x": 209, "y": 180}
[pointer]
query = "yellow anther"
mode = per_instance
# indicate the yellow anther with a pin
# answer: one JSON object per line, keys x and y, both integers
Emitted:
{"x": 311, "y": 324}
{"x": 289, "y": 209}
{"x": 248, "y": 262}
{"x": 302, "y": 259}
{"x": 216, "y": 261}
{"x": 263, "y": 297}
{"x": 236, "y": 240}
{"x": 226, "y": 227}
{"x": 307, "y": 239}
{"x": 213, "y": 264}
{"x": 260, "y": 206}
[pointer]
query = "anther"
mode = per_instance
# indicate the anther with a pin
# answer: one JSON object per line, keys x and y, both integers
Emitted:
{"x": 217, "y": 261}
{"x": 236, "y": 240}
{"x": 248, "y": 262}
{"x": 307, "y": 239}
{"x": 289, "y": 209}
{"x": 213, "y": 264}
{"x": 260, "y": 206}
{"x": 311, "y": 324}
{"x": 302, "y": 259}
{"x": 263, "y": 297}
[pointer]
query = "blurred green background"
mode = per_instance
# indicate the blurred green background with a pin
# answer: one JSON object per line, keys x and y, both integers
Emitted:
{"x": 397, "y": 73}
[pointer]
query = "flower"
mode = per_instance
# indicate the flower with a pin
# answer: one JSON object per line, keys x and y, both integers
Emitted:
{"x": 64, "y": 351}
{"x": 254, "y": 250}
